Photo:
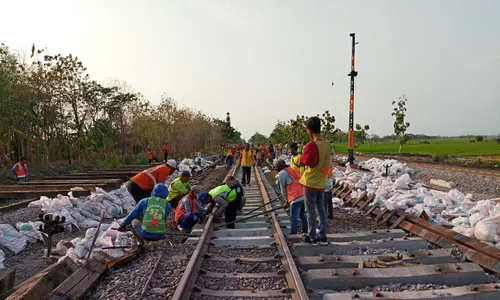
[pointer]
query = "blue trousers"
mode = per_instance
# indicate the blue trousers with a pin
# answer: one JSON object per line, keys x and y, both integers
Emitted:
{"x": 229, "y": 160}
{"x": 315, "y": 200}
{"x": 22, "y": 179}
{"x": 188, "y": 220}
{"x": 297, "y": 211}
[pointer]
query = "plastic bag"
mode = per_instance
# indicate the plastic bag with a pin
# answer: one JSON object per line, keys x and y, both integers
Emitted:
{"x": 402, "y": 182}
{"x": 30, "y": 230}
{"x": 488, "y": 229}
{"x": 12, "y": 239}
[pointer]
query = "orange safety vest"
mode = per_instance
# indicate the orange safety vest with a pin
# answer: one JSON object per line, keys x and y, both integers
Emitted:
{"x": 165, "y": 148}
{"x": 316, "y": 177}
{"x": 181, "y": 211}
{"x": 20, "y": 170}
{"x": 246, "y": 158}
{"x": 150, "y": 155}
{"x": 147, "y": 179}
{"x": 294, "y": 190}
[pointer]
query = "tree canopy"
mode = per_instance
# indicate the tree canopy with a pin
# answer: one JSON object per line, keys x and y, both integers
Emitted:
{"x": 51, "y": 110}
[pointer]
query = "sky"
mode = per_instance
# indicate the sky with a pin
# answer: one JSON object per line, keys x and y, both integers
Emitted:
{"x": 265, "y": 61}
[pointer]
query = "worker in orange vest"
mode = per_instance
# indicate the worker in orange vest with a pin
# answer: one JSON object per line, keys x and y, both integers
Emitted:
{"x": 141, "y": 185}
{"x": 293, "y": 194}
{"x": 165, "y": 152}
{"x": 21, "y": 170}
{"x": 190, "y": 209}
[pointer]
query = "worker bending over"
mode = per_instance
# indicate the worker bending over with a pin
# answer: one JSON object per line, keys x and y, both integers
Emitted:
{"x": 246, "y": 161}
{"x": 20, "y": 170}
{"x": 295, "y": 159}
{"x": 293, "y": 194}
{"x": 316, "y": 158}
{"x": 230, "y": 198}
{"x": 179, "y": 188}
{"x": 153, "y": 212}
{"x": 190, "y": 209}
{"x": 141, "y": 185}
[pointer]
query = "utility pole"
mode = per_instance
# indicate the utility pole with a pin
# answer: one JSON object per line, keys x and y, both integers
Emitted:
{"x": 352, "y": 74}
{"x": 228, "y": 126}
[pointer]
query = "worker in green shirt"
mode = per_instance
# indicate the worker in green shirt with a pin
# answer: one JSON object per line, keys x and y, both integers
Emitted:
{"x": 179, "y": 188}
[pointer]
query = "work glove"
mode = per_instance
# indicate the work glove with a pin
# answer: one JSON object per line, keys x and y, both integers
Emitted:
{"x": 195, "y": 218}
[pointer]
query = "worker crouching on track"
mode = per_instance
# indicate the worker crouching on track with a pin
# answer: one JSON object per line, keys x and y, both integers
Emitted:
{"x": 293, "y": 193}
{"x": 246, "y": 161}
{"x": 230, "y": 198}
{"x": 153, "y": 212}
{"x": 179, "y": 188}
{"x": 189, "y": 210}
{"x": 141, "y": 185}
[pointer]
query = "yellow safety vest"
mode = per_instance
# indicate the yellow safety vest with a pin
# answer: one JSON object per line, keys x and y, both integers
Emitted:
{"x": 295, "y": 164}
{"x": 316, "y": 177}
{"x": 246, "y": 158}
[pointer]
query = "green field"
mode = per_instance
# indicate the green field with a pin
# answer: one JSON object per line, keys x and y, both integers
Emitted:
{"x": 452, "y": 147}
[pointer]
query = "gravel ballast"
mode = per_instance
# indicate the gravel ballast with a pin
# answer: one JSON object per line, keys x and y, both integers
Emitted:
{"x": 482, "y": 187}
{"x": 128, "y": 281}
{"x": 250, "y": 252}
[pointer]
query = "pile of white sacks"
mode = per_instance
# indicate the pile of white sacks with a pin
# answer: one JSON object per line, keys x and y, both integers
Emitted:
{"x": 83, "y": 213}
{"x": 479, "y": 219}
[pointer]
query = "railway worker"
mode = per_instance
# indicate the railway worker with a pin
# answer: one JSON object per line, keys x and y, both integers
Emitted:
{"x": 258, "y": 157}
{"x": 190, "y": 209}
{"x": 300, "y": 147}
{"x": 316, "y": 158}
{"x": 229, "y": 154}
{"x": 229, "y": 198}
{"x": 153, "y": 212}
{"x": 293, "y": 193}
{"x": 295, "y": 159}
{"x": 246, "y": 161}
{"x": 141, "y": 185}
{"x": 271, "y": 151}
{"x": 20, "y": 170}
{"x": 179, "y": 188}
{"x": 165, "y": 152}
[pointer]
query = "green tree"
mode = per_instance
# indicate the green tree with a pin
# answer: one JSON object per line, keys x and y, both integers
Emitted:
{"x": 400, "y": 125}
{"x": 479, "y": 138}
{"x": 360, "y": 133}
{"x": 258, "y": 139}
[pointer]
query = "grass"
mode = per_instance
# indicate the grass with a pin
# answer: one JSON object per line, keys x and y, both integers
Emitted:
{"x": 452, "y": 147}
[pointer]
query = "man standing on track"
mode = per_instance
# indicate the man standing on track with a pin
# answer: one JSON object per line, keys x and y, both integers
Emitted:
{"x": 295, "y": 159}
{"x": 21, "y": 170}
{"x": 179, "y": 188}
{"x": 141, "y": 185}
{"x": 293, "y": 193}
{"x": 153, "y": 212}
{"x": 316, "y": 158}
{"x": 271, "y": 151}
{"x": 246, "y": 162}
{"x": 165, "y": 152}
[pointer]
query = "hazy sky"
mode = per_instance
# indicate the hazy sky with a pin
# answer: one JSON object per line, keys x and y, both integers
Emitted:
{"x": 266, "y": 60}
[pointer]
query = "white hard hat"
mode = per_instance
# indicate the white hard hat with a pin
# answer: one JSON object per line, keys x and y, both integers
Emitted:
{"x": 172, "y": 163}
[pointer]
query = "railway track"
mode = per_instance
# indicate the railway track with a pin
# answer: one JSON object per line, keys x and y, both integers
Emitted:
{"x": 387, "y": 264}
{"x": 251, "y": 261}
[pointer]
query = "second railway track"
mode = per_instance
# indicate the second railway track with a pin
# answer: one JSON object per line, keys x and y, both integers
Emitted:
{"x": 259, "y": 260}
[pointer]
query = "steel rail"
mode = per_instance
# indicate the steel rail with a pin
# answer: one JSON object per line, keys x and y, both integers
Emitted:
{"x": 299, "y": 292}
{"x": 188, "y": 279}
